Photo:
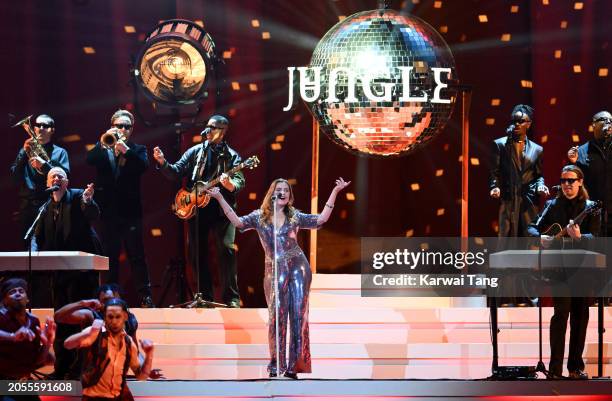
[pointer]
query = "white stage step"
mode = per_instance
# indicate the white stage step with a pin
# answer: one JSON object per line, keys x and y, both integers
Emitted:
{"x": 354, "y": 337}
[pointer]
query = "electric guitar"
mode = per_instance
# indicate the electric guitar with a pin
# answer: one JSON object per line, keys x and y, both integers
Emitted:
{"x": 557, "y": 231}
{"x": 186, "y": 200}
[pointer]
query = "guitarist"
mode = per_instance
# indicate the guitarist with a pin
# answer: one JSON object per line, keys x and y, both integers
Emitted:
{"x": 569, "y": 203}
{"x": 205, "y": 162}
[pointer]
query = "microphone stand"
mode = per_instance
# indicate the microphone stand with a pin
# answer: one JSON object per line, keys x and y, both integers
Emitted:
{"x": 30, "y": 236}
{"x": 607, "y": 147}
{"x": 276, "y": 292}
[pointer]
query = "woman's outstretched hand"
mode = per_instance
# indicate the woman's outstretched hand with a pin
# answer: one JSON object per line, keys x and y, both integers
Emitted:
{"x": 214, "y": 192}
{"x": 341, "y": 184}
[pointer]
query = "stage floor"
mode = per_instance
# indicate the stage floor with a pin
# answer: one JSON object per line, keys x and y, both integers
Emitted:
{"x": 374, "y": 389}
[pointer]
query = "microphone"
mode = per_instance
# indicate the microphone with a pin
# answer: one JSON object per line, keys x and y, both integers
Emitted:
{"x": 52, "y": 189}
{"x": 205, "y": 132}
{"x": 555, "y": 188}
{"x": 277, "y": 197}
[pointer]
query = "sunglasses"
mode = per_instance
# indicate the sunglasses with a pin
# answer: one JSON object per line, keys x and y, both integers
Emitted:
{"x": 604, "y": 120}
{"x": 569, "y": 181}
{"x": 214, "y": 127}
{"x": 122, "y": 126}
{"x": 44, "y": 125}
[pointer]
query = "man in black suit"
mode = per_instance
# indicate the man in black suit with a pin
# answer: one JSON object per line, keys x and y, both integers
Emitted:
{"x": 30, "y": 171}
{"x": 65, "y": 225}
{"x": 516, "y": 175}
{"x": 119, "y": 170}
{"x": 517, "y": 181}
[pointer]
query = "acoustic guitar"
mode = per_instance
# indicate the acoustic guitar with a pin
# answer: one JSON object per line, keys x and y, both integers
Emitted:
{"x": 557, "y": 231}
{"x": 186, "y": 200}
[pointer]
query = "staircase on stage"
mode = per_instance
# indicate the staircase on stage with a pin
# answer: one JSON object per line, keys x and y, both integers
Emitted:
{"x": 354, "y": 338}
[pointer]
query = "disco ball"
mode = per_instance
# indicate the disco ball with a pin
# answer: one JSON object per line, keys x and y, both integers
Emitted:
{"x": 375, "y": 43}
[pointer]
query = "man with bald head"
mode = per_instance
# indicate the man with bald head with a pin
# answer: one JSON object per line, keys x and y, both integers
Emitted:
{"x": 593, "y": 158}
{"x": 65, "y": 225}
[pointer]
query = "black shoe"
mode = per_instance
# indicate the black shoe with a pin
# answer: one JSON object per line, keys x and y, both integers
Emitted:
{"x": 554, "y": 376}
{"x": 578, "y": 375}
{"x": 272, "y": 374}
{"x": 234, "y": 303}
{"x": 291, "y": 375}
{"x": 147, "y": 302}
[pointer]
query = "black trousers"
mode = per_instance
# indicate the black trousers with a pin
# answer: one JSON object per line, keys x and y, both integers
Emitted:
{"x": 223, "y": 233}
{"x": 122, "y": 231}
{"x": 577, "y": 309}
{"x": 69, "y": 287}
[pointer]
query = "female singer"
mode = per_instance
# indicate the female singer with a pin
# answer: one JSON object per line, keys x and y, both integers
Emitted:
{"x": 294, "y": 275}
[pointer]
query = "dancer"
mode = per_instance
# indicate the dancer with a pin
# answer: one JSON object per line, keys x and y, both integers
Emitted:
{"x": 294, "y": 275}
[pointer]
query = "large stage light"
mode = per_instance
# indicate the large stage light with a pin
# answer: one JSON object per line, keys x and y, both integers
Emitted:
{"x": 373, "y": 46}
{"x": 175, "y": 63}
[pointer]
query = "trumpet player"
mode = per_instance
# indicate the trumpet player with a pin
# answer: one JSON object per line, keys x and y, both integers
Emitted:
{"x": 34, "y": 160}
{"x": 120, "y": 163}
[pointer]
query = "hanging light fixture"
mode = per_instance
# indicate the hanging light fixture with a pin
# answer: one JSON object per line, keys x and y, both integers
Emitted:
{"x": 174, "y": 66}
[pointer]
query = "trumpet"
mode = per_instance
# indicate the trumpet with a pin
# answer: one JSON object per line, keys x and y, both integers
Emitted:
{"x": 109, "y": 139}
{"x": 36, "y": 149}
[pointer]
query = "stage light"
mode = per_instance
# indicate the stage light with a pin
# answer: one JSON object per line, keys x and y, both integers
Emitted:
{"x": 175, "y": 63}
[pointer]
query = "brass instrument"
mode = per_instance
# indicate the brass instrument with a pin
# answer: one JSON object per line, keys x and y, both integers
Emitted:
{"x": 36, "y": 148}
{"x": 108, "y": 140}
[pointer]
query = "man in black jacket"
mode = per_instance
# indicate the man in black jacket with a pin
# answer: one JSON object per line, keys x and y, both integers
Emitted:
{"x": 517, "y": 181}
{"x": 65, "y": 225}
{"x": 204, "y": 162}
{"x": 30, "y": 173}
{"x": 516, "y": 175}
{"x": 119, "y": 170}
{"x": 568, "y": 204}
{"x": 595, "y": 159}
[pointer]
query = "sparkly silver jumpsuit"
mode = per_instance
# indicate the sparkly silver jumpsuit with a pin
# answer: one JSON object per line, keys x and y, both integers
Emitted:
{"x": 294, "y": 277}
